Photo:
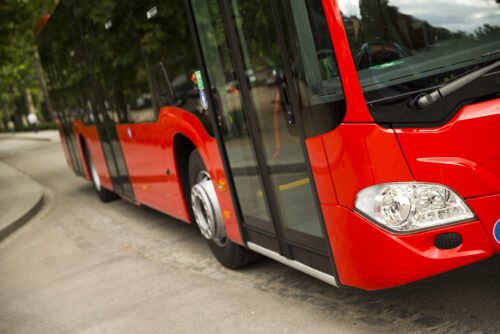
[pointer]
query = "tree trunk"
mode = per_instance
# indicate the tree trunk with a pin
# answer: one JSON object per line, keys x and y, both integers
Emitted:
{"x": 5, "y": 115}
{"x": 49, "y": 112}
{"x": 30, "y": 107}
{"x": 19, "y": 117}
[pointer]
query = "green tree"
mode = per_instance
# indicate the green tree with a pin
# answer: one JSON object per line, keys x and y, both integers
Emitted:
{"x": 21, "y": 79}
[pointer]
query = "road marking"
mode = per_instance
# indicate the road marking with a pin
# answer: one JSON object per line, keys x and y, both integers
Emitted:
{"x": 290, "y": 185}
{"x": 294, "y": 184}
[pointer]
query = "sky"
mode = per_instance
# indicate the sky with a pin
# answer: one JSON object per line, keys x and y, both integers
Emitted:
{"x": 454, "y": 15}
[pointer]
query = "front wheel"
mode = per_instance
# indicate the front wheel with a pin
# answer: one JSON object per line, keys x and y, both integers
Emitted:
{"x": 206, "y": 212}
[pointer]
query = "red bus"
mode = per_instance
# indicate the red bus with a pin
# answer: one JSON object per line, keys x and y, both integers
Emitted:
{"x": 354, "y": 140}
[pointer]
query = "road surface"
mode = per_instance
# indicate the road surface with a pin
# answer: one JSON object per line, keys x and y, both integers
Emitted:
{"x": 81, "y": 266}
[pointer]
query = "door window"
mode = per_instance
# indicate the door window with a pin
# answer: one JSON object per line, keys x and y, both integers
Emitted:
{"x": 282, "y": 147}
{"x": 249, "y": 50}
{"x": 226, "y": 92}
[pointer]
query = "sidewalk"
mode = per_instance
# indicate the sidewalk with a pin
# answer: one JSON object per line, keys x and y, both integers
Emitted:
{"x": 13, "y": 143}
{"x": 45, "y": 135}
{"x": 20, "y": 199}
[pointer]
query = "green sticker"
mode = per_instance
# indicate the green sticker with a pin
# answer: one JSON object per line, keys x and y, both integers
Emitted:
{"x": 386, "y": 65}
{"x": 199, "y": 80}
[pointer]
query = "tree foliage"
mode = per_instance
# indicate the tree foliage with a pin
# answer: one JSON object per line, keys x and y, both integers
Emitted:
{"x": 17, "y": 46}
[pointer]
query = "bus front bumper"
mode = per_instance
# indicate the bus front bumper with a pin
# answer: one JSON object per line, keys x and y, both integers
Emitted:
{"x": 371, "y": 258}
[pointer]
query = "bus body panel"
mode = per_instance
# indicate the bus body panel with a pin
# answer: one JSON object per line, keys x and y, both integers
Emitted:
{"x": 464, "y": 154}
{"x": 149, "y": 152}
{"x": 321, "y": 170}
{"x": 92, "y": 140}
{"x": 361, "y": 155}
{"x": 487, "y": 209}
{"x": 147, "y": 149}
{"x": 357, "y": 110}
{"x": 370, "y": 258}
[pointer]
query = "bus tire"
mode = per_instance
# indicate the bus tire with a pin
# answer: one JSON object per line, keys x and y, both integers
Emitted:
{"x": 104, "y": 194}
{"x": 204, "y": 207}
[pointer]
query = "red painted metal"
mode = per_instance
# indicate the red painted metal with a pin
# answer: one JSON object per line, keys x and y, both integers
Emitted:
{"x": 463, "y": 154}
{"x": 370, "y": 258}
{"x": 487, "y": 209}
{"x": 90, "y": 135}
{"x": 40, "y": 24}
{"x": 321, "y": 170}
{"x": 361, "y": 155}
{"x": 148, "y": 153}
{"x": 356, "y": 106}
{"x": 151, "y": 161}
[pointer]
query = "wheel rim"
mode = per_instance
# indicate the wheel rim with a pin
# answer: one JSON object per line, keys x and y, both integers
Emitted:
{"x": 206, "y": 210}
{"x": 95, "y": 177}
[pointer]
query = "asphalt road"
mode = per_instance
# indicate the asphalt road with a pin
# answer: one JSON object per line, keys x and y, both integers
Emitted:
{"x": 80, "y": 266}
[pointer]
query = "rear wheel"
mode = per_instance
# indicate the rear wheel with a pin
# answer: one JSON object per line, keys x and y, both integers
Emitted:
{"x": 206, "y": 212}
{"x": 104, "y": 194}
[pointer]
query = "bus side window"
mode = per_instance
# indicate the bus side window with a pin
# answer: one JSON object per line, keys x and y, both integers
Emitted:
{"x": 125, "y": 79}
{"x": 314, "y": 65}
{"x": 162, "y": 86}
{"x": 168, "y": 48}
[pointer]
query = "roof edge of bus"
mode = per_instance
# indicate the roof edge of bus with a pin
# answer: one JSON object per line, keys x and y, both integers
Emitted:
{"x": 40, "y": 24}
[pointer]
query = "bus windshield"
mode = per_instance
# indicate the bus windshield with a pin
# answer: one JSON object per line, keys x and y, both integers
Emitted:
{"x": 405, "y": 46}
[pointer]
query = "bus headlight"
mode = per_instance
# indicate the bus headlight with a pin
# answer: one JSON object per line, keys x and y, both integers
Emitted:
{"x": 408, "y": 207}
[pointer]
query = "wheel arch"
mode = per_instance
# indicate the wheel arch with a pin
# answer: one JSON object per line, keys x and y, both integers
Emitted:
{"x": 84, "y": 151}
{"x": 183, "y": 146}
{"x": 187, "y": 128}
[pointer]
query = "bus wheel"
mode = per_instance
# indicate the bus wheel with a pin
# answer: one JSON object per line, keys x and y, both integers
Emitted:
{"x": 104, "y": 194}
{"x": 206, "y": 213}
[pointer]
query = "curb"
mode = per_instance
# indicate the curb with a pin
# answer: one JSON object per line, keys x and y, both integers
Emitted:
{"x": 21, "y": 221}
{"x": 24, "y": 138}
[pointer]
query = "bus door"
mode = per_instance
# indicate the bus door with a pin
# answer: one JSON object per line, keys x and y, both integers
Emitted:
{"x": 69, "y": 138}
{"x": 115, "y": 161}
{"x": 251, "y": 55}
{"x": 65, "y": 122}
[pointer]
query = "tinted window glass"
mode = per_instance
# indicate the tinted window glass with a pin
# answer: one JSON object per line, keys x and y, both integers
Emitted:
{"x": 120, "y": 61}
{"x": 316, "y": 26}
{"x": 401, "y": 46}
{"x": 125, "y": 79}
{"x": 59, "y": 56}
{"x": 168, "y": 47}
{"x": 284, "y": 158}
{"x": 314, "y": 65}
{"x": 225, "y": 90}
{"x": 87, "y": 59}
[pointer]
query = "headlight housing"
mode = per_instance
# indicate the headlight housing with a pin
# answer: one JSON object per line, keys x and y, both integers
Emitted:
{"x": 412, "y": 206}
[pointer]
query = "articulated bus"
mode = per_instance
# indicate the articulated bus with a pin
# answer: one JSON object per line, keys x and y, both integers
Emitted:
{"x": 354, "y": 140}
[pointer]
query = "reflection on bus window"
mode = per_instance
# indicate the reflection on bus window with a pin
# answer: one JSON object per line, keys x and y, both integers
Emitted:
{"x": 379, "y": 53}
{"x": 402, "y": 46}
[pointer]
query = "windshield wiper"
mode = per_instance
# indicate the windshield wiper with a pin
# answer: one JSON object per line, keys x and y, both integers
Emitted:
{"x": 491, "y": 53}
{"x": 425, "y": 100}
